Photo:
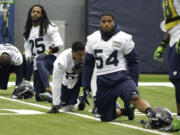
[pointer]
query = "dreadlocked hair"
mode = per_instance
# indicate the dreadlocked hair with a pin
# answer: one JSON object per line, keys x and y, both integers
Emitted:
{"x": 44, "y": 22}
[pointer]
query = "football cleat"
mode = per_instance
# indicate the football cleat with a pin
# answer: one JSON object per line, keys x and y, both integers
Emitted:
{"x": 46, "y": 96}
{"x": 131, "y": 110}
{"x": 54, "y": 109}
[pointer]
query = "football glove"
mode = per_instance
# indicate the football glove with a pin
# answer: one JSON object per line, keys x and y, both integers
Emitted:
{"x": 54, "y": 49}
{"x": 54, "y": 109}
{"x": 159, "y": 52}
{"x": 43, "y": 55}
{"x": 83, "y": 100}
{"x": 178, "y": 47}
{"x": 86, "y": 92}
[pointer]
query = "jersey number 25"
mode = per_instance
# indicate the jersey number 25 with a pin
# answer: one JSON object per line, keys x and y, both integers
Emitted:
{"x": 39, "y": 47}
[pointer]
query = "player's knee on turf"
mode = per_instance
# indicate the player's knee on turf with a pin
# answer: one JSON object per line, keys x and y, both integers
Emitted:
{"x": 105, "y": 119}
{"x": 108, "y": 116}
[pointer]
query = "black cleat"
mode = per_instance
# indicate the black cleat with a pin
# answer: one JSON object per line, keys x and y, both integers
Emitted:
{"x": 46, "y": 96}
{"x": 131, "y": 110}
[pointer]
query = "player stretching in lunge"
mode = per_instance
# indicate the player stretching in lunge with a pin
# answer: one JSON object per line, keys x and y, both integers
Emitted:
{"x": 117, "y": 72}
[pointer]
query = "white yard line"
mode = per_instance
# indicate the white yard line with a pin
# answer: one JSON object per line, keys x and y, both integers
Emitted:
{"x": 20, "y": 112}
{"x": 167, "y": 84}
{"x": 89, "y": 117}
{"x": 32, "y": 104}
{"x": 139, "y": 113}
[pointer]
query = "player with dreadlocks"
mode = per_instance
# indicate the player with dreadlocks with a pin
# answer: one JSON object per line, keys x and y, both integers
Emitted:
{"x": 42, "y": 45}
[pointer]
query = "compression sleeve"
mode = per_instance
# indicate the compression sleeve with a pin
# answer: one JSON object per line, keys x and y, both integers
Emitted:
{"x": 87, "y": 71}
{"x": 27, "y": 48}
{"x": 133, "y": 65}
{"x": 57, "y": 77}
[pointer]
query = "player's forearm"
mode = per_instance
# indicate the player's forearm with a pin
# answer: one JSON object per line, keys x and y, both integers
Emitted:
{"x": 57, "y": 41}
{"x": 56, "y": 85}
{"x": 87, "y": 71}
{"x": 133, "y": 65}
{"x": 134, "y": 73}
{"x": 166, "y": 37}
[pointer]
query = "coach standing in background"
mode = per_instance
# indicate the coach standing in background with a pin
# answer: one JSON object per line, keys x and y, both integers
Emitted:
{"x": 42, "y": 44}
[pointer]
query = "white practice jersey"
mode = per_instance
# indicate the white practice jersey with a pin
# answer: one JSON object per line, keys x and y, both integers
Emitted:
{"x": 14, "y": 53}
{"x": 109, "y": 55}
{"x": 65, "y": 72}
{"x": 36, "y": 45}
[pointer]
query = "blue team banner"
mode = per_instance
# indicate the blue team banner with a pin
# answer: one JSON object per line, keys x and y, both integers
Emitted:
{"x": 7, "y": 21}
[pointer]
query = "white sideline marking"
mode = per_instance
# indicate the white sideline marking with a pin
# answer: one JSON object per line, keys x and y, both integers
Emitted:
{"x": 20, "y": 112}
{"x": 167, "y": 84}
{"x": 32, "y": 104}
{"x": 89, "y": 117}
